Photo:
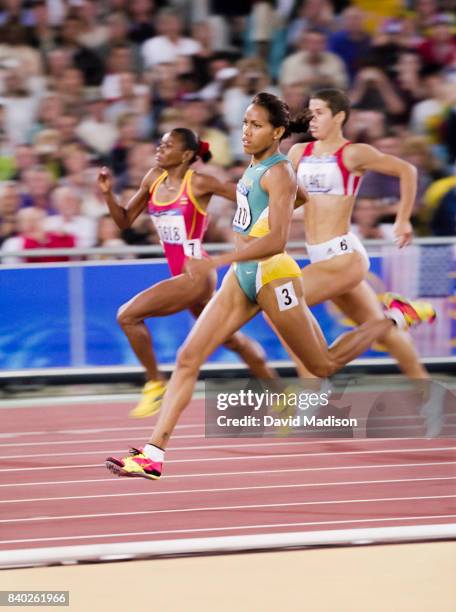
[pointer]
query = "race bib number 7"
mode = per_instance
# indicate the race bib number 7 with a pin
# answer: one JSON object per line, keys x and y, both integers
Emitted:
{"x": 243, "y": 216}
{"x": 171, "y": 228}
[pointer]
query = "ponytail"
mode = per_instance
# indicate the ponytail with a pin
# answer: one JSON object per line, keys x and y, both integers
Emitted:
{"x": 203, "y": 151}
{"x": 300, "y": 122}
{"x": 191, "y": 141}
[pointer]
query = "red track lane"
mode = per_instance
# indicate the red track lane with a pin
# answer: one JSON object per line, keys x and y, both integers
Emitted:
{"x": 55, "y": 490}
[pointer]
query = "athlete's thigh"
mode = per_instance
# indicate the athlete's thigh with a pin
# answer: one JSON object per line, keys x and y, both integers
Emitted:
{"x": 226, "y": 312}
{"x": 283, "y": 301}
{"x": 169, "y": 296}
{"x": 326, "y": 279}
{"x": 360, "y": 304}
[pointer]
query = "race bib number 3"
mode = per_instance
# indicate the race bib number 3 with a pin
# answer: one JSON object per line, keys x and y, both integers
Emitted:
{"x": 243, "y": 216}
{"x": 286, "y": 296}
{"x": 171, "y": 228}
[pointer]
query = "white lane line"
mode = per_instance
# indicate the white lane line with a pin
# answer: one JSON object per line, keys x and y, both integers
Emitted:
{"x": 275, "y": 443}
{"x": 110, "y": 479}
{"x": 128, "y": 534}
{"x": 229, "y": 489}
{"x": 65, "y": 401}
{"x": 12, "y": 434}
{"x": 94, "y": 441}
{"x": 270, "y": 444}
{"x": 85, "y": 401}
{"x": 275, "y": 456}
{"x": 202, "y": 437}
{"x": 35, "y": 519}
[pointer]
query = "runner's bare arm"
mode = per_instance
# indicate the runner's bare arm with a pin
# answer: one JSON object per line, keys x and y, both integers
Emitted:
{"x": 362, "y": 157}
{"x": 205, "y": 185}
{"x": 124, "y": 217}
{"x": 294, "y": 155}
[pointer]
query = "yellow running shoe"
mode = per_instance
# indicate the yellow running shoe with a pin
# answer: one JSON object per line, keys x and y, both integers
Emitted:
{"x": 151, "y": 399}
{"x": 413, "y": 312}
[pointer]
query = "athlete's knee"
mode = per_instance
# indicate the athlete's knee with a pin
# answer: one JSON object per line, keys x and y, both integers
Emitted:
{"x": 125, "y": 317}
{"x": 246, "y": 348}
{"x": 321, "y": 369}
{"x": 187, "y": 359}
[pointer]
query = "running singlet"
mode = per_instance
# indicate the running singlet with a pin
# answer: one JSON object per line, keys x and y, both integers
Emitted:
{"x": 326, "y": 174}
{"x": 252, "y": 211}
{"x": 180, "y": 223}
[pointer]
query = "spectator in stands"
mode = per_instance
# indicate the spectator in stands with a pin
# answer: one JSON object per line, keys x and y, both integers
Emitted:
{"x": 57, "y": 61}
{"x": 15, "y": 48}
{"x": 37, "y": 183}
{"x": 373, "y": 90}
{"x": 128, "y": 53}
{"x": 141, "y": 15}
{"x": 389, "y": 45}
{"x": 139, "y": 161}
{"x": 41, "y": 35}
{"x": 84, "y": 59}
{"x": 51, "y": 107}
{"x": 20, "y": 106}
{"x": 94, "y": 131}
{"x": 70, "y": 87}
{"x": 312, "y": 65}
{"x": 109, "y": 235}
{"x": 75, "y": 159}
{"x": 9, "y": 206}
{"x": 120, "y": 61}
{"x": 127, "y": 127}
{"x": 440, "y": 46}
{"x": 69, "y": 220}
{"x": 407, "y": 81}
{"x": 427, "y": 115}
{"x": 197, "y": 115}
{"x": 24, "y": 158}
{"x": 67, "y": 125}
{"x": 424, "y": 12}
{"x": 132, "y": 98}
{"x": 169, "y": 44}
{"x": 352, "y": 42}
{"x": 93, "y": 33}
{"x": 311, "y": 15}
{"x": 33, "y": 235}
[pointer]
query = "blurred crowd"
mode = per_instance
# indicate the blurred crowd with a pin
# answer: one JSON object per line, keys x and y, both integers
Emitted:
{"x": 85, "y": 83}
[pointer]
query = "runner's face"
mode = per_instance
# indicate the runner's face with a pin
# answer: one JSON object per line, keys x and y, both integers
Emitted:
{"x": 258, "y": 134}
{"x": 170, "y": 151}
{"x": 323, "y": 121}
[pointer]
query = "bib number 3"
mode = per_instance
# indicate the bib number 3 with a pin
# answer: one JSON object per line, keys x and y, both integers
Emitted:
{"x": 286, "y": 296}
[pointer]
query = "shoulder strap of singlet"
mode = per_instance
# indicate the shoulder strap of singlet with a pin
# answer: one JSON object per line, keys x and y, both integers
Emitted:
{"x": 191, "y": 195}
{"x": 341, "y": 148}
{"x": 157, "y": 182}
{"x": 308, "y": 149}
{"x": 343, "y": 168}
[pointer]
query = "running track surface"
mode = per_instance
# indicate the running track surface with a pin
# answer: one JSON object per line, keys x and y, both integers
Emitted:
{"x": 55, "y": 490}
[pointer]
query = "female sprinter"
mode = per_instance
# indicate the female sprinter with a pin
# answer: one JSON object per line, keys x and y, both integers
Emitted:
{"x": 177, "y": 198}
{"x": 263, "y": 277}
{"x": 330, "y": 170}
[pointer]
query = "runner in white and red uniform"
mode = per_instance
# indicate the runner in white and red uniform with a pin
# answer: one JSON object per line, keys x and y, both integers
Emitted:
{"x": 329, "y": 171}
{"x": 177, "y": 198}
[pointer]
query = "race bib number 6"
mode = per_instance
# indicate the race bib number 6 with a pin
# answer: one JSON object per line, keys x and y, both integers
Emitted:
{"x": 171, "y": 228}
